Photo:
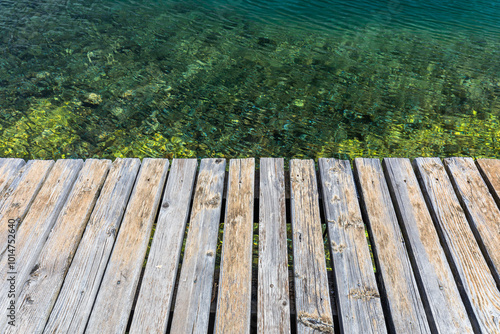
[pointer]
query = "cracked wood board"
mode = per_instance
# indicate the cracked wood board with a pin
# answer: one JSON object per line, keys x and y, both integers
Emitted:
{"x": 480, "y": 208}
{"x": 194, "y": 291}
{"x": 40, "y": 219}
{"x": 273, "y": 309}
{"x": 358, "y": 303}
{"x": 113, "y": 303}
{"x": 490, "y": 171}
{"x": 235, "y": 284}
{"x": 403, "y": 302}
{"x": 312, "y": 295}
{"x": 467, "y": 262}
{"x": 39, "y": 293}
{"x": 76, "y": 297}
{"x": 155, "y": 296}
{"x": 445, "y": 309}
{"x": 17, "y": 199}
{"x": 8, "y": 171}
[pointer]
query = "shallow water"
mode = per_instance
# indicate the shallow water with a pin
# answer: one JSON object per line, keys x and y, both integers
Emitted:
{"x": 237, "y": 78}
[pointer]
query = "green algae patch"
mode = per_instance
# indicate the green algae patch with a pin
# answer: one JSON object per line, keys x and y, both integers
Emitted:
{"x": 44, "y": 131}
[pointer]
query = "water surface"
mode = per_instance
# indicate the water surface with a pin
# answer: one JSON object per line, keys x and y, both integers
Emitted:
{"x": 236, "y": 78}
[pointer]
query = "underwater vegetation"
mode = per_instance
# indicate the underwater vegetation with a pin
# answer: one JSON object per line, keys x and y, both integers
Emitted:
{"x": 173, "y": 79}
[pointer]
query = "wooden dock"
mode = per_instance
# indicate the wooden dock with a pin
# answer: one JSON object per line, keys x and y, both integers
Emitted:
{"x": 132, "y": 247}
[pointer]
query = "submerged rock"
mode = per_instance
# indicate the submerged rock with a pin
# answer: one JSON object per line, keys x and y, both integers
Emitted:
{"x": 93, "y": 99}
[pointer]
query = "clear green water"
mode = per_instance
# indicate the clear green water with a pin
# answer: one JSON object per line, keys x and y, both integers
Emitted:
{"x": 238, "y": 78}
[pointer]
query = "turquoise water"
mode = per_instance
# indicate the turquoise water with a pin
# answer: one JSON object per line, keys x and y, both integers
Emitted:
{"x": 237, "y": 78}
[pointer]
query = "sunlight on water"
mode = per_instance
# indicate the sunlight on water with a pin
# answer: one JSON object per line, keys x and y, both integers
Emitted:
{"x": 237, "y": 78}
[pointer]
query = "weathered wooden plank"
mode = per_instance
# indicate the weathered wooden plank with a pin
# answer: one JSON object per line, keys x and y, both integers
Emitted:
{"x": 77, "y": 295}
{"x": 194, "y": 292}
{"x": 235, "y": 284}
{"x": 17, "y": 199}
{"x": 404, "y": 304}
{"x": 8, "y": 171}
{"x": 40, "y": 291}
{"x": 312, "y": 296}
{"x": 273, "y": 308}
{"x": 445, "y": 309}
{"x": 115, "y": 297}
{"x": 35, "y": 228}
{"x": 480, "y": 208}
{"x": 470, "y": 268}
{"x": 358, "y": 302}
{"x": 490, "y": 170}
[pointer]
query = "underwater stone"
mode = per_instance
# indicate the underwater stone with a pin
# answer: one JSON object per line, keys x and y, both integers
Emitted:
{"x": 93, "y": 99}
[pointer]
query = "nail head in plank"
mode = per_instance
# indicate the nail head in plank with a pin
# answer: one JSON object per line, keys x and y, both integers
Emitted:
{"x": 41, "y": 217}
{"x": 114, "y": 300}
{"x": 74, "y": 302}
{"x": 235, "y": 284}
{"x": 483, "y": 297}
{"x": 37, "y": 298}
{"x": 480, "y": 208}
{"x": 312, "y": 295}
{"x": 194, "y": 292}
{"x": 153, "y": 305}
{"x": 273, "y": 309}
{"x": 399, "y": 286}
{"x": 8, "y": 171}
{"x": 359, "y": 305}
{"x": 17, "y": 199}
{"x": 438, "y": 287}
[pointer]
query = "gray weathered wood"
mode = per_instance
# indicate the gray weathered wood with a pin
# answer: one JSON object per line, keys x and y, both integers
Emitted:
{"x": 35, "y": 228}
{"x": 40, "y": 291}
{"x": 407, "y": 313}
{"x": 480, "y": 208}
{"x": 312, "y": 295}
{"x": 273, "y": 309}
{"x": 235, "y": 284}
{"x": 358, "y": 299}
{"x": 8, "y": 171}
{"x": 444, "y": 306}
{"x": 194, "y": 292}
{"x": 77, "y": 295}
{"x": 18, "y": 197}
{"x": 490, "y": 170}
{"x": 114, "y": 300}
{"x": 471, "y": 269}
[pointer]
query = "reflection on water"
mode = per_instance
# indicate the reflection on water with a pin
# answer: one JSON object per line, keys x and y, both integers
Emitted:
{"x": 238, "y": 78}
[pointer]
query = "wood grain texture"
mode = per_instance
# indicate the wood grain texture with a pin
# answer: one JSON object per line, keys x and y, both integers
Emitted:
{"x": 480, "y": 208}
{"x": 194, "y": 292}
{"x": 8, "y": 171}
{"x": 469, "y": 266}
{"x": 235, "y": 284}
{"x": 404, "y": 304}
{"x": 18, "y": 197}
{"x": 77, "y": 295}
{"x": 490, "y": 170}
{"x": 40, "y": 291}
{"x": 358, "y": 299}
{"x": 441, "y": 297}
{"x": 41, "y": 217}
{"x": 114, "y": 300}
{"x": 273, "y": 308}
{"x": 312, "y": 295}
{"x": 155, "y": 296}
